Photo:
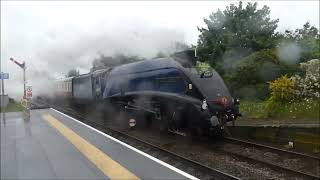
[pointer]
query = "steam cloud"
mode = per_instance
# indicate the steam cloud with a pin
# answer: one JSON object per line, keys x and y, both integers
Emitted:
{"x": 289, "y": 52}
{"x": 63, "y": 50}
{"x": 78, "y": 51}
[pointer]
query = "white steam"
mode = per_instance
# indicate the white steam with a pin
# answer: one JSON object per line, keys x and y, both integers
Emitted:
{"x": 289, "y": 52}
{"x": 63, "y": 50}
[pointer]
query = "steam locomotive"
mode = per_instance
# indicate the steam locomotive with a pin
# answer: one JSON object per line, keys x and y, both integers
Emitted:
{"x": 167, "y": 93}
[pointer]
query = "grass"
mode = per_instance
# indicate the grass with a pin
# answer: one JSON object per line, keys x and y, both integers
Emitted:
{"x": 253, "y": 109}
{"x": 13, "y": 106}
{"x": 306, "y": 109}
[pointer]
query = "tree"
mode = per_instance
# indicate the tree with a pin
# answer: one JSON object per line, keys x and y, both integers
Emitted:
{"x": 236, "y": 32}
{"x": 307, "y": 31}
{"x": 308, "y": 39}
{"x": 255, "y": 70}
{"x": 110, "y": 61}
{"x": 160, "y": 55}
{"x": 73, "y": 72}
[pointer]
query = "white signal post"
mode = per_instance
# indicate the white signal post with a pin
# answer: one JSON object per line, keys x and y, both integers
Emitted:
{"x": 24, "y": 101}
{"x": 23, "y": 67}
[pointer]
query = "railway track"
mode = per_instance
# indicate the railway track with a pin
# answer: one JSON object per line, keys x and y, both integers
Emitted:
{"x": 198, "y": 169}
{"x": 273, "y": 149}
{"x": 309, "y": 160}
{"x": 313, "y": 163}
{"x": 192, "y": 167}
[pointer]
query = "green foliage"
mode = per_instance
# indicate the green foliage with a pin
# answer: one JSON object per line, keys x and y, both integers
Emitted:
{"x": 273, "y": 107}
{"x": 73, "y": 72}
{"x": 236, "y": 30}
{"x": 308, "y": 39}
{"x": 296, "y": 95}
{"x": 110, "y": 61}
{"x": 241, "y": 44}
{"x": 161, "y": 55}
{"x": 306, "y": 109}
{"x": 282, "y": 89}
{"x": 252, "y": 92}
{"x": 203, "y": 67}
{"x": 255, "y": 68}
{"x": 309, "y": 85}
{"x": 249, "y": 76}
{"x": 13, "y": 106}
{"x": 282, "y": 92}
{"x": 253, "y": 109}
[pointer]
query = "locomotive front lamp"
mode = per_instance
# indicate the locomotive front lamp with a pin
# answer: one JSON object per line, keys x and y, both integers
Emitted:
{"x": 236, "y": 101}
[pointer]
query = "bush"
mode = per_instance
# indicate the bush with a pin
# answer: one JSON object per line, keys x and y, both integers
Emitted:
{"x": 309, "y": 86}
{"x": 252, "y": 92}
{"x": 282, "y": 90}
{"x": 254, "y": 72}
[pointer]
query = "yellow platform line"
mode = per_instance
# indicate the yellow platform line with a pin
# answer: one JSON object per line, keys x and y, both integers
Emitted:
{"x": 108, "y": 166}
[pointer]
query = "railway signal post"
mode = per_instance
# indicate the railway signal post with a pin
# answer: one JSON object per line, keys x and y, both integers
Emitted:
{"x": 25, "y": 98}
{"x": 23, "y": 67}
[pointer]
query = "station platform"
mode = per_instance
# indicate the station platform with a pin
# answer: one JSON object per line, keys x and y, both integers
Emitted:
{"x": 52, "y": 145}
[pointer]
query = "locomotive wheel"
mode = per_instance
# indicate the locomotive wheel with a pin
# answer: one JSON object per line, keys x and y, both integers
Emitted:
{"x": 123, "y": 120}
{"x": 163, "y": 124}
{"x": 109, "y": 114}
{"x": 192, "y": 116}
{"x": 217, "y": 133}
{"x": 196, "y": 132}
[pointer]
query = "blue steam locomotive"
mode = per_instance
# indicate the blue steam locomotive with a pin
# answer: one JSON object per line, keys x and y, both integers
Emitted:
{"x": 167, "y": 93}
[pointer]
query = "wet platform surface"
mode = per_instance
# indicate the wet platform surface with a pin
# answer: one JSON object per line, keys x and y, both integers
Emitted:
{"x": 52, "y": 145}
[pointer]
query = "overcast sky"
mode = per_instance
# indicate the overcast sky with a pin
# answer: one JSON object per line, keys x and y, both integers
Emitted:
{"x": 54, "y": 37}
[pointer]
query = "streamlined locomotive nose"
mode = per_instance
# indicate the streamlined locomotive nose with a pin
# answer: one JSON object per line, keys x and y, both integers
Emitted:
{"x": 225, "y": 108}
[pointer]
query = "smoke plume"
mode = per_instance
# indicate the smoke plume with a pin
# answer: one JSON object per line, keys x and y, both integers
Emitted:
{"x": 62, "y": 50}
